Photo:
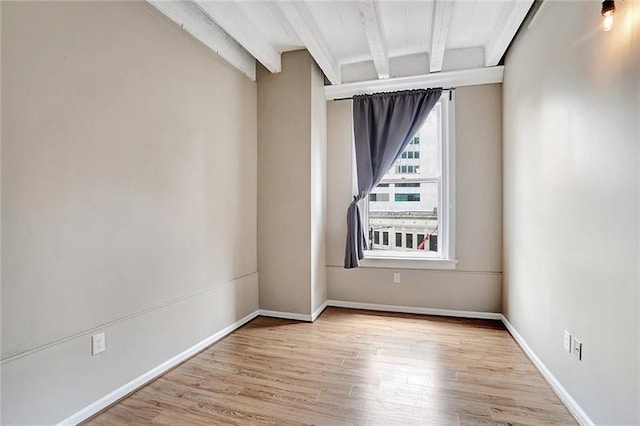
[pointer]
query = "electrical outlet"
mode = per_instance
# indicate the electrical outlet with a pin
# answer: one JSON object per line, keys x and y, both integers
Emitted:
{"x": 396, "y": 277}
{"x": 567, "y": 341}
{"x": 577, "y": 349}
{"x": 98, "y": 343}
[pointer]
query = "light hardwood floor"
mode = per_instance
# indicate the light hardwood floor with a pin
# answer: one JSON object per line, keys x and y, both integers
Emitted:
{"x": 351, "y": 367}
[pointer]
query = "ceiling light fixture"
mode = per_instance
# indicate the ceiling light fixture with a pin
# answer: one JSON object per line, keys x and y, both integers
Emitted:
{"x": 608, "y": 9}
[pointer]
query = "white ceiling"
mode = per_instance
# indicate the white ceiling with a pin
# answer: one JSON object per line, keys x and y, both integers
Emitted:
{"x": 355, "y": 40}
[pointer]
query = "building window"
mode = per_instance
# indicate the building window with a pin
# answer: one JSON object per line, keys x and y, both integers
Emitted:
{"x": 417, "y": 187}
{"x": 376, "y": 237}
{"x": 407, "y": 197}
{"x": 378, "y": 197}
{"x": 411, "y": 155}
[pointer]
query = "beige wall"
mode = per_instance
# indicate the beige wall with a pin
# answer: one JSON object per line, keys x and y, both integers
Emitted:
{"x": 571, "y": 201}
{"x": 128, "y": 199}
{"x": 290, "y": 185}
{"x": 318, "y": 190}
{"x": 476, "y": 283}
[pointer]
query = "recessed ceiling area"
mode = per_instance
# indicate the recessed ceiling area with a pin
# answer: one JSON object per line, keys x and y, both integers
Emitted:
{"x": 354, "y": 41}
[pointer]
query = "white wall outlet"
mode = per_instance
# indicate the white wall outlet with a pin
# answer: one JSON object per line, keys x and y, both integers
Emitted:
{"x": 577, "y": 349}
{"x": 567, "y": 341}
{"x": 98, "y": 343}
{"x": 396, "y": 277}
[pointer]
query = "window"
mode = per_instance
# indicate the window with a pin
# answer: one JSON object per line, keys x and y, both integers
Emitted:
{"x": 417, "y": 187}
{"x": 407, "y": 197}
{"x": 407, "y": 169}
{"x": 378, "y": 197}
{"x": 376, "y": 237}
{"x": 410, "y": 154}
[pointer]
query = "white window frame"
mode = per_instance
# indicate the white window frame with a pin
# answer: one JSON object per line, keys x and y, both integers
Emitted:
{"x": 445, "y": 258}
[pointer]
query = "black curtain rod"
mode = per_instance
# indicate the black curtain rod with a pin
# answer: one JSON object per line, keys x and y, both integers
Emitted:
{"x": 448, "y": 89}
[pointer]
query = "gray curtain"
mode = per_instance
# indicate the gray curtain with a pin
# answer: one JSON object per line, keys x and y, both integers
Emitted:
{"x": 383, "y": 124}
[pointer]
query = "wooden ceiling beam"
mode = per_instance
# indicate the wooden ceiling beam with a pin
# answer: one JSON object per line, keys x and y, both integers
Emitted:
{"x": 229, "y": 16}
{"x": 374, "y": 31}
{"x": 511, "y": 17}
{"x": 440, "y": 31}
{"x": 302, "y": 22}
{"x": 193, "y": 20}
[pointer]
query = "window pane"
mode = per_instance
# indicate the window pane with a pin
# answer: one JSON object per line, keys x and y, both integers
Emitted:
{"x": 406, "y": 207}
{"x": 411, "y": 210}
{"x": 429, "y": 153}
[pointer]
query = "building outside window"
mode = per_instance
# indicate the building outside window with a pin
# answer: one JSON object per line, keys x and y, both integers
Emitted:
{"x": 407, "y": 197}
{"x": 408, "y": 202}
{"x": 378, "y": 197}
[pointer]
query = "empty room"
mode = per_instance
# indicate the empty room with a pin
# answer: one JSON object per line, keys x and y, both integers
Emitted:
{"x": 337, "y": 212}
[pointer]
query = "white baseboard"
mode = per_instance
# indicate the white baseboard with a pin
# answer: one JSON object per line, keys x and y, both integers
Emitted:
{"x": 285, "y": 315}
{"x": 318, "y": 311}
{"x": 136, "y": 383}
{"x": 562, "y": 393}
{"x": 414, "y": 310}
{"x": 292, "y": 315}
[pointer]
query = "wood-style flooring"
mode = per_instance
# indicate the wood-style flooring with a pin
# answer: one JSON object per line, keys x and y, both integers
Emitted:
{"x": 351, "y": 367}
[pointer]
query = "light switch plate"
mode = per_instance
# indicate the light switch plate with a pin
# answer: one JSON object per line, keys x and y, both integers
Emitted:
{"x": 577, "y": 349}
{"x": 567, "y": 341}
{"x": 396, "y": 277}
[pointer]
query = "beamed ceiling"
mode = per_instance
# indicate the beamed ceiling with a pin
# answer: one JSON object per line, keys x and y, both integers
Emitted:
{"x": 354, "y": 41}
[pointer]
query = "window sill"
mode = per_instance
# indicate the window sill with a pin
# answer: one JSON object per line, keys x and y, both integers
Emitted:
{"x": 395, "y": 262}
